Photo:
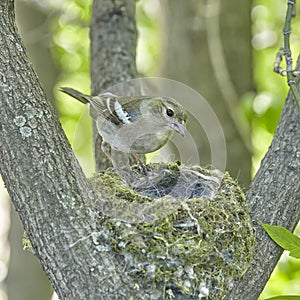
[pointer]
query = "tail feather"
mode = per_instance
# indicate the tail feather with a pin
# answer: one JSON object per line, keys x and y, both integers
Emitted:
{"x": 76, "y": 94}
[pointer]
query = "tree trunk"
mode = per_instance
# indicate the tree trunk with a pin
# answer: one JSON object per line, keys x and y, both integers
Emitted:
{"x": 43, "y": 178}
{"x": 200, "y": 49}
{"x": 21, "y": 264}
{"x": 33, "y": 27}
{"x": 113, "y": 42}
{"x": 274, "y": 198}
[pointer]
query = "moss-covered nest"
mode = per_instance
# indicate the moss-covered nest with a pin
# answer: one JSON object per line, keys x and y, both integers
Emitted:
{"x": 179, "y": 229}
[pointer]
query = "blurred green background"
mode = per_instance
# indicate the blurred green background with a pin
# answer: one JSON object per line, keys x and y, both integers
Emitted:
{"x": 56, "y": 34}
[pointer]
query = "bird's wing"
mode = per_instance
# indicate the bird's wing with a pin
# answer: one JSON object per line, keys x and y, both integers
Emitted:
{"x": 117, "y": 109}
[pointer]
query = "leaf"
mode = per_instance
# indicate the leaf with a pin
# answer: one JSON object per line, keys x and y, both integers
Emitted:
{"x": 284, "y": 298}
{"x": 284, "y": 238}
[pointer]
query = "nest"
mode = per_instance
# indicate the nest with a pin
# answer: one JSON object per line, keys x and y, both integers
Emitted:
{"x": 179, "y": 230}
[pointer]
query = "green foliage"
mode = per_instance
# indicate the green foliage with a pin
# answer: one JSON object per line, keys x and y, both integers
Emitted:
{"x": 70, "y": 49}
{"x": 149, "y": 40}
{"x": 284, "y": 238}
{"x": 268, "y": 20}
{"x": 285, "y": 277}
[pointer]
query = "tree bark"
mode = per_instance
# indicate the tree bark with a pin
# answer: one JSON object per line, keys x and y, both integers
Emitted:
{"x": 21, "y": 264}
{"x": 274, "y": 198}
{"x": 113, "y": 43}
{"x": 33, "y": 27}
{"x": 41, "y": 173}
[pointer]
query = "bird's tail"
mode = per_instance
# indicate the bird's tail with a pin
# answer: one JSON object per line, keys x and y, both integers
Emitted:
{"x": 76, "y": 94}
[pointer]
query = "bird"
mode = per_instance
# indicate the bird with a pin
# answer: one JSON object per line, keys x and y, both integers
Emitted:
{"x": 133, "y": 124}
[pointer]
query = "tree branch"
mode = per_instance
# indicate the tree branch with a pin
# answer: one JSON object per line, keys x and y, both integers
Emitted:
{"x": 286, "y": 51}
{"x": 113, "y": 38}
{"x": 41, "y": 173}
{"x": 274, "y": 197}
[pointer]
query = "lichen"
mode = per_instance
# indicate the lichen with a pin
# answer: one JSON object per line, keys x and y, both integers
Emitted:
{"x": 30, "y": 111}
{"x": 26, "y": 243}
{"x": 29, "y": 118}
{"x": 179, "y": 229}
{"x": 19, "y": 121}
{"x": 25, "y": 131}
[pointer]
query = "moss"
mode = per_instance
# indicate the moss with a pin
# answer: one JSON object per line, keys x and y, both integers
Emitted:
{"x": 26, "y": 243}
{"x": 179, "y": 229}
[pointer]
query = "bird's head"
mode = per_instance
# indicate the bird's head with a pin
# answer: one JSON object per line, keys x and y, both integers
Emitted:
{"x": 168, "y": 113}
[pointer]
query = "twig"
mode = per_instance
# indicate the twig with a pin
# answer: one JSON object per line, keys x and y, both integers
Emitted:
{"x": 286, "y": 52}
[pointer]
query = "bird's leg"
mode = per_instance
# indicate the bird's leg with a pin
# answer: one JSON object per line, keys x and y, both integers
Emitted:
{"x": 140, "y": 163}
{"x": 106, "y": 150}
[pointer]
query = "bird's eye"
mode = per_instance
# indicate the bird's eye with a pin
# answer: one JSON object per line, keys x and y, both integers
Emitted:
{"x": 170, "y": 112}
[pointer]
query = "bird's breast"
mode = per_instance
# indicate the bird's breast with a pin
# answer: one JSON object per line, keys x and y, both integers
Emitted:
{"x": 134, "y": 138}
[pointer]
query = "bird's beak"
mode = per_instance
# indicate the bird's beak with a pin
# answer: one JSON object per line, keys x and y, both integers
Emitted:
{"x": 178, "y": 127}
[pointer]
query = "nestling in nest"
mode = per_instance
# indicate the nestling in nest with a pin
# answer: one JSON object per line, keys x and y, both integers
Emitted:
{"x": 180, "y": 230}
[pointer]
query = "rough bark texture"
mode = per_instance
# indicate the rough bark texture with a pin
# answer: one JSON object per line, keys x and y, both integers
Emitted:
{"x": 113, "y": 42}
{"x": 42, "y": 175}
{"x": 53, "y": 197}
{"x": 200, "y": 49}
{"x": 21, "y": 264}
{"x": 274, "y": 197}
{"x": 33, "y": 26}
